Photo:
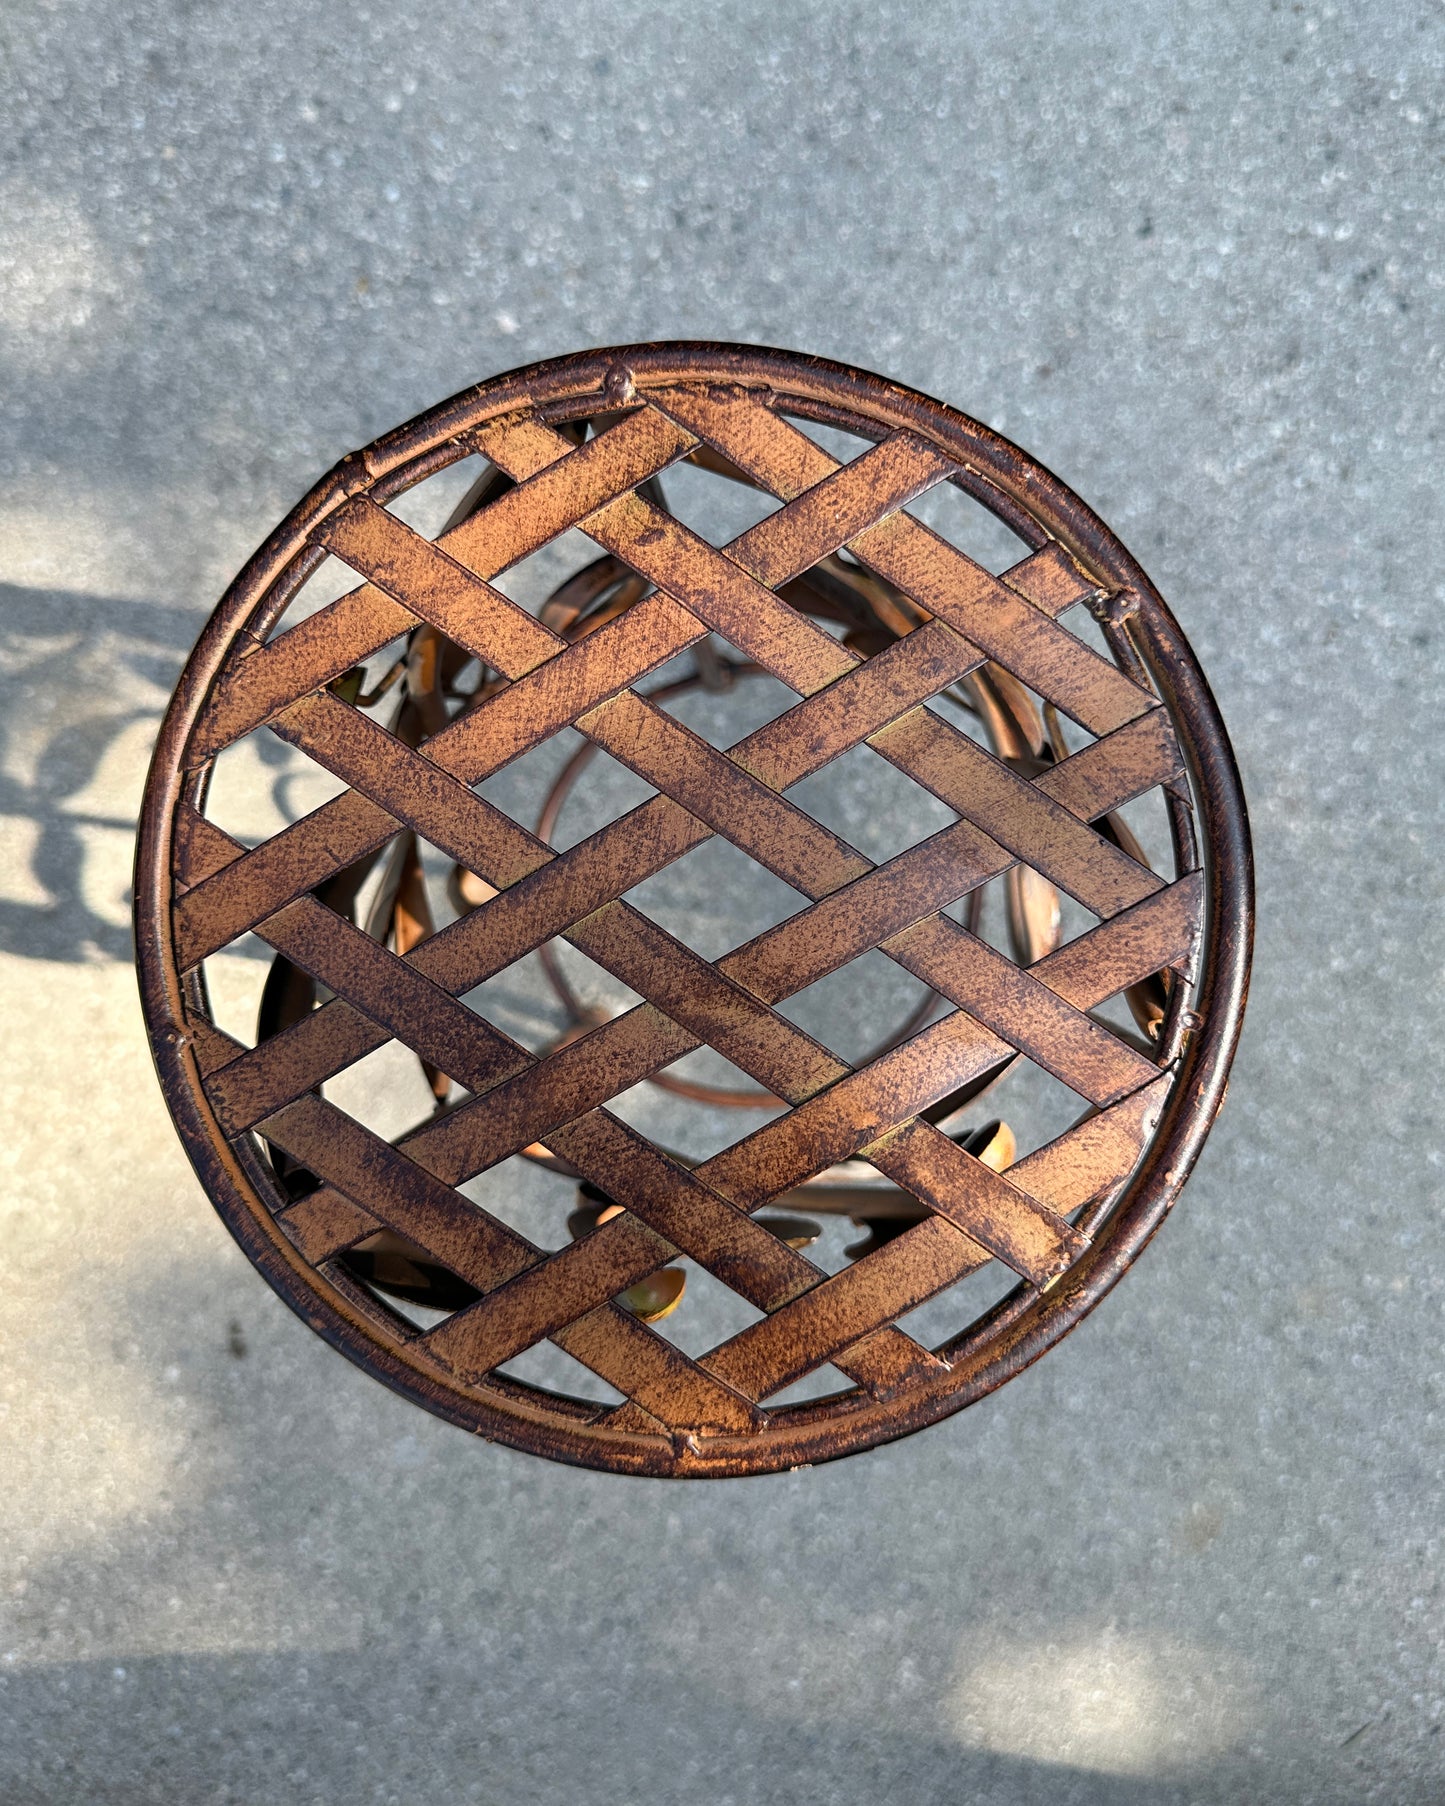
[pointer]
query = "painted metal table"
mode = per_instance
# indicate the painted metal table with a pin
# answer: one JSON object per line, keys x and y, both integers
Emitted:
{"x": 1048, "y": 709}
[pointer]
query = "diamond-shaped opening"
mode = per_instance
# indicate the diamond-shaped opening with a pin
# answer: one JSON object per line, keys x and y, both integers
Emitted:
{"x": 717, "y": 508}
{"x": 521, "y": 1002}
{"x": 1034, "y": 1105}
{"x": 386, "y": 1091}
{"x": 819, "y": 602}
{"x": 970, "y": 526}
{"x": 823, "y": 1382}
{"x": 871, "y": 804}
{"x": 332, "y": 579}
{"x": 428, "y": 506}
{"x": 521, "y": 788}
{"x": 532, "y": 581}
{"x": 709, "y": 1080}
{"x": 1145, "y": 821}
{"x": 1014, "y": 918}
{"x": 723, "y": 717}
{"x": 709, "y": 1313}
{"x": 1085, "y": 628}
{"x": 551, "y": 1369}
{"x": 601, "y": 789}
{"x": 1011, "y": 719}
{"x": 715, "y": 898}
{"x": 235, "y": 979}
{"x": 1084, "y": 625}
{"x": 402, "y": 1320}
{"x": 377, "y": 686}
{"x": 835, "y": 440}
{"x": 1071, "y": 737}
{"x": 659, "y": 684}
{"x": 694, "y": 1131}
{"x": 260, "y": 784}
{"x": 529, "y": 1197}
{"x": 958, "y": 707}
{"x": 463, "y": 685}
{"x": 1116, "y": 1015}
{"x": 954, "y": 1310}
{"x": 860, "y": 1007}
{"x": 835, "y": 1233}
{"x": 379, "y": 690}
{"x": 372, "y": 908}
{"x": 972, "y": 908}
{"x": 407, "y": 1279}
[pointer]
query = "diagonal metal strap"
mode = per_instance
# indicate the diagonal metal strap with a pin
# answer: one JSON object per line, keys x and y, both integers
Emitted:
{"x": 837, "y": 1113}
{"x": 329, "y": 643}
{"x": 396, "y": 1191}
{"x": 1081, "y": 1052}
{"x": 738, "y": 423}
{"x": 447, "y": 594}
{"x": 707, "y": 755}
{"x": 787, "y": 958}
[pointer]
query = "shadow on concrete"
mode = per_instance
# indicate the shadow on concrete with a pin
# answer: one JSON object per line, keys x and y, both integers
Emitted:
{"x": 334, "y": 1599}
{"x": 431, "y": 1721}
{"x": 77, "y": 672}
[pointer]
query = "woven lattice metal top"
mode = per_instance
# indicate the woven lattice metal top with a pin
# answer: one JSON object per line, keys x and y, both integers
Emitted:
{"x": 1035, "y": 706}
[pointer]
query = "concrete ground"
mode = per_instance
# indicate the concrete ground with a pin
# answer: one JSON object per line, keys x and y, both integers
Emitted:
{"x": 1188, "y": 255}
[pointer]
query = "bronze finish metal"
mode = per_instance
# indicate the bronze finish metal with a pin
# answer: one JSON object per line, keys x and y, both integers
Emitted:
{"x": 868, "y": 617}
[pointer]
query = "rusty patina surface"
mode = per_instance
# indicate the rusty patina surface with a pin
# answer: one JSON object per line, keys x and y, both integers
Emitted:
{"x": 866, "y": 615}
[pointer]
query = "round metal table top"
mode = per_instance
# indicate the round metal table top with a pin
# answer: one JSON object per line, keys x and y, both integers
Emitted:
{"x": 693, "y": 909}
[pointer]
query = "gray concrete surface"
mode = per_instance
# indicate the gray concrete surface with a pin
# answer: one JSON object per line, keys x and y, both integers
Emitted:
{"x": 1190, "y": 256}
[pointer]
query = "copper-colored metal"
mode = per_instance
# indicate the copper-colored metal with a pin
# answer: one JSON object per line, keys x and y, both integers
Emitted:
{"x": 868, "y": 617}
{"x": 722, "y": 674}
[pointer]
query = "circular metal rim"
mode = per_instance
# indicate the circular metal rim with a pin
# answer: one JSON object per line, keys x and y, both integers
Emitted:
{"x": 1022, "y": 491}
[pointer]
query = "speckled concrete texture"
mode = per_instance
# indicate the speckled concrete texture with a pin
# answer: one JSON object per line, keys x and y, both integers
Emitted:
{"x": 1190, "y": 256}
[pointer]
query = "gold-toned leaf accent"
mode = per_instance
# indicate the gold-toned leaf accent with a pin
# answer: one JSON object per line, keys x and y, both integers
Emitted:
{"x": 655, "y": 1297}
{"x": 1033, "y": 914}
